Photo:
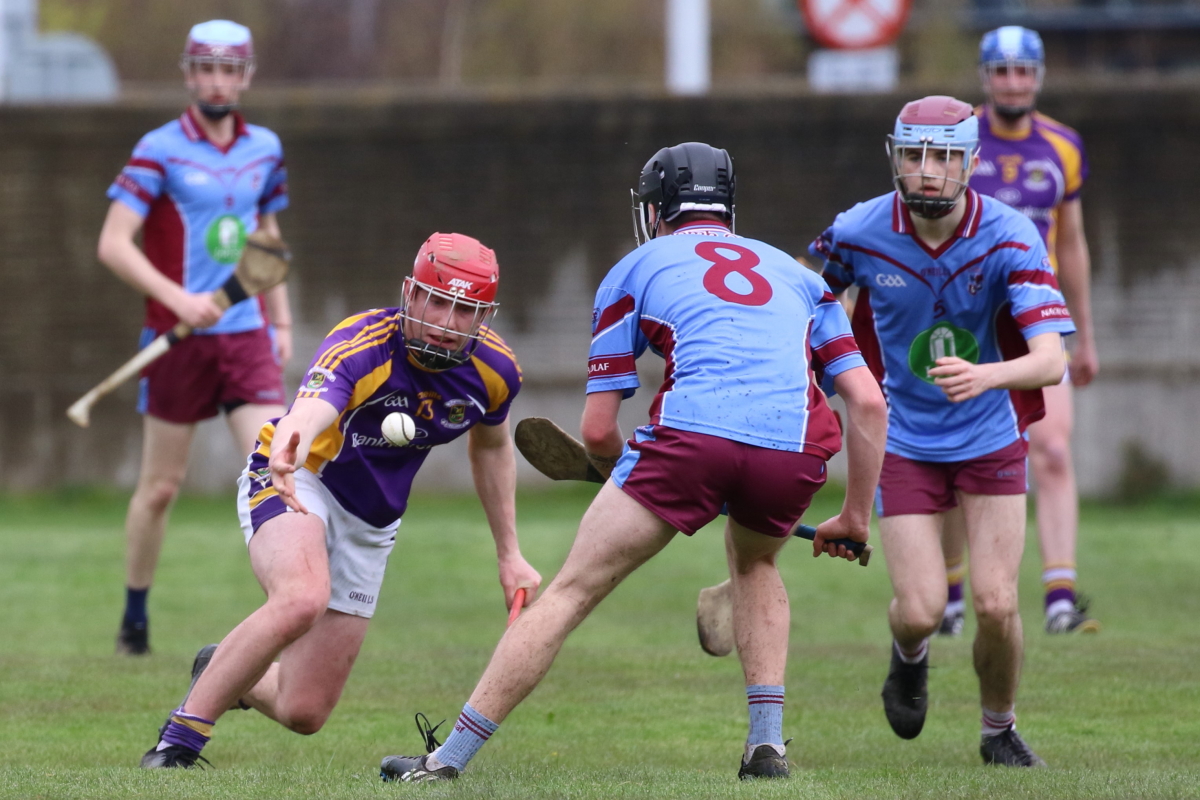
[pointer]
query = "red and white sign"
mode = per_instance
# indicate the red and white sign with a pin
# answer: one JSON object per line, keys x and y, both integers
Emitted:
{"x": 855, "y": 24}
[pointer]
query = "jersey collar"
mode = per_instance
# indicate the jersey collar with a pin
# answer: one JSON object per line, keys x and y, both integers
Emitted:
{"x": 985, "y": 123}
{"x": 195, "y": 133}
{"x": 969, "y": 225}
{"x": 705, "y": 227}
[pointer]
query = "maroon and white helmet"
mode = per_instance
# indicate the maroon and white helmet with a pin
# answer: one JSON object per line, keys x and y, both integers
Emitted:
{"x": 219, "y": 41}
{"x": 458, "y": 273}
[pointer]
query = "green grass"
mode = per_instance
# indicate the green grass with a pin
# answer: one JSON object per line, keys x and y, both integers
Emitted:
{"x": 632, "y": 708}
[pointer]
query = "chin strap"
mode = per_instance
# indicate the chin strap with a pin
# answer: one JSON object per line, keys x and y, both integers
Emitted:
{"x": 216, "y": 112}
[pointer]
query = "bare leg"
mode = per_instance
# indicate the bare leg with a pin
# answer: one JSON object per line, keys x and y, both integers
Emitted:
{"x": 246, "y": 421}
{"x": 617, "y": 535}
{"x": 164, "y": 465}
{"x": 913, "y": 548}
{"x": 996, "y": 531}
{"x": 302, "y": 688}
{"x": 1054, "y": 473}
{"x": 289, "y": 558}
{"x": 761, "y": 616}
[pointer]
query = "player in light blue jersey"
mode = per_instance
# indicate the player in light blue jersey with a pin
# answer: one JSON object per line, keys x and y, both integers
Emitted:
{"x": 194, "y": 189}
{"x": 959, "y": 314}
{"x": 739, "y": 423}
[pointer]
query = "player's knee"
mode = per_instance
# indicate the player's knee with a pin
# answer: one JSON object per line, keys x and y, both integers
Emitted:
{"x": 921, "y": 615}
{"x": 157, "y": 494}
{"x": 1052, "y": 456}
{"x": 307, "y": 720}
{"x": 995, "y": 611}
{"x": 298, "y": 612}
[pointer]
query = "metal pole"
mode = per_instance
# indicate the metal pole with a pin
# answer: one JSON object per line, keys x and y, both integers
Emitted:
{"x": 688, "y": 46}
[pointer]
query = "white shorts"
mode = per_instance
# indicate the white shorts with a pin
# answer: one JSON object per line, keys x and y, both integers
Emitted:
{"x": 358, "y": 552}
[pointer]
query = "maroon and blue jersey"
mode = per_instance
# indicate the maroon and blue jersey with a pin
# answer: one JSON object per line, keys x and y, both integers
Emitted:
{"x": 744, "y": 330}
{"x": 1034, "y": 173}
{"x": 199, "y": 201}
{"x": 978, "y": 296}
{"x": 363, "y": 370}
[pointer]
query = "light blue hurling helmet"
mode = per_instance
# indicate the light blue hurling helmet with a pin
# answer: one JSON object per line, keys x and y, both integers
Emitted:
{"x": 1011, "y": 47}
{"x": 933, "y": 124}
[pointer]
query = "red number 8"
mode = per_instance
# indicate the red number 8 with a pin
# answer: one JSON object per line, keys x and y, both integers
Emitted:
{"x": 723, "y": 266}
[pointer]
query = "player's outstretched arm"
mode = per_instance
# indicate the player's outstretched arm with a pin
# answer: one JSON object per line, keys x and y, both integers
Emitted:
{"x": 494, "y": 470}
{"x": 118, "y": 251}
{"x": 1042, "y": 366}
{"x": 293, "y": 437}
{"x": 1075, "y": 280}
{"x": 866, "y": 435}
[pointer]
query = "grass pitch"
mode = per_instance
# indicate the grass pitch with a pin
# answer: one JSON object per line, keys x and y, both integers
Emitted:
{"x": 632, "y": 708}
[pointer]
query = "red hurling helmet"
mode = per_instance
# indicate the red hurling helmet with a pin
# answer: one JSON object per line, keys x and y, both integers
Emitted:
{"x": 449, "y": 297}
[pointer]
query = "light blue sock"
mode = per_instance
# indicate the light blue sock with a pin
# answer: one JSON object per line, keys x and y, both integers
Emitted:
{"x": 470, "y": 731}
{"x": 766, "y": 714}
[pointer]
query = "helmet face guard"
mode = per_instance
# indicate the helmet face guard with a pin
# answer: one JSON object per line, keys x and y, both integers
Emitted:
{"x": 687, "y": 177}
{"x": 451, "y": 294}
{"x": 428, "y": 308}
{"x": 937, "y": 128}
{"x": 1011, "y": 50}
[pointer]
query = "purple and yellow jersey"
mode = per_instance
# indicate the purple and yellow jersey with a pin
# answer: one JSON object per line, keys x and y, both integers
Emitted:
{"x": 743, "y": 329}
{"x": 978, "y": 296}
{"x": 363, "y": 370}
{"x": 1034, "y": 173}
{"x": 199, "y": 201}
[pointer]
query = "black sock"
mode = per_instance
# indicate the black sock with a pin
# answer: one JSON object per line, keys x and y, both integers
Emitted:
{"x": 135, "y": 605}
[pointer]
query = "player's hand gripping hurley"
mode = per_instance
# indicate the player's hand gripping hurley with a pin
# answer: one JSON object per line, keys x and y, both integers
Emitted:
{"x": 264, "y": 264}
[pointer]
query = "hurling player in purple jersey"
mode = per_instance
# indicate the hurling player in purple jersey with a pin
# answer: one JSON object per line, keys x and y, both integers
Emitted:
{"x": 960, "y": 316}
{"x": 194, "y": 189}
{"x": 739, "y": 423}
{"x": 1037, "y": 165}
{"x": 321, "y": 498}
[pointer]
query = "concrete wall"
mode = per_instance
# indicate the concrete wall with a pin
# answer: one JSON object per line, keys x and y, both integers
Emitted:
{"x": 545, "y": 181}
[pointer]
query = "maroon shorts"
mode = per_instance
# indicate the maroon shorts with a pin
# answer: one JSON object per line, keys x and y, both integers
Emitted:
{"x": 928, "y": 487}
{"x": 208, "y": 373}
{"x": 687, "y": 479}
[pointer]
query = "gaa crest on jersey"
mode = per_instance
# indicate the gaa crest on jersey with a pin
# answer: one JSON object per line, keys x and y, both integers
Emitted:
{"x": 975, "y": 282}
{"x": 943, "y": 340}
{"x": 456, "y": 414}
{"x": 316, "y": 380}
{"x": 1037, "y": 178}
{"x": 225, "y": 239}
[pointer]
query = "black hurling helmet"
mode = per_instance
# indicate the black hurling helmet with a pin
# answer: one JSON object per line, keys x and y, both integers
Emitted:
{"x": 687, "y": 177}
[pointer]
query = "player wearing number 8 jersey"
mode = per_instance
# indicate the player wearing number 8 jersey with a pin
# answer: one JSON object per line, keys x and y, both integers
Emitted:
{"x": 739, "y": 422}
{"x": 951, "y": 284}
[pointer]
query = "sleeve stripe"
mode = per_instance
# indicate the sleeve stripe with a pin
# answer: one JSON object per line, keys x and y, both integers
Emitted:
{"x": 614, "y": 366}
{"x": 1039, "y": 277}
{"x": 367, "y": 331}
{"x": 614, "y": 314}
{"x": 1043, "y": 313}
{"x": 133, "y": 187}
{"x": 836, "y": 348}
{"x": 281, "y": 189}
{"x": 146, "y": 163}
{"x": 377, "y": 341}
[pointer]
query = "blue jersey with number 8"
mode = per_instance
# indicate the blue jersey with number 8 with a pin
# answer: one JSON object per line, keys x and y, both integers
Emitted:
{"x": 746, "y": 332}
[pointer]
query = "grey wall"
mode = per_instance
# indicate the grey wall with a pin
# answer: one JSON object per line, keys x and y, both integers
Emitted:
{"x": 545, "y": 182}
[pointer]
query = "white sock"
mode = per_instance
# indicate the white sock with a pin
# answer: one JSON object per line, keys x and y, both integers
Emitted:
{"x": 916, "y": 655}
{"x": 995, "y": 722}
{"x": 1059, "y": 607}
{"x": 955, "y": 607}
